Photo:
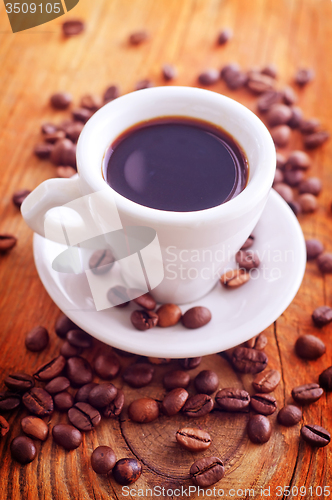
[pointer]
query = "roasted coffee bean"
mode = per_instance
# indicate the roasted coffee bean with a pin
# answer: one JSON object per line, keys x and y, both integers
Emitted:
{"x": 19, "y": 381}
{"x": 82, "y": 114}
{"x": 61, "y": 100}
{"x": 207, "y": 471}
{"x": 4, "y": 427}
{"x": 309, "y": 126}
{"x": 266, "y": 381}
{"x": 325, "y": 379}
{"x": 144, "y": 320}
{"x": 67, "y": 436}
{"x": 19, "y": 196}
{"x": 37, "y": 339}
{"x": 169, "y": 72}
{"x": 49, "y": 128}
{"x": 138, "y": 374}
{"x": 293, "y": 177}
{"x": 324, "y": 262}
{"x": 312, "y": 141}
{"x": 270, "y": 70}
{"x": 248, "y": 243}
{"x": 309, "y": 347}
{"x": 289, "y": 95}
{"x": 174, "y": 401}
{"x": 289, "y": 415}
{"x": 233, "y": 400}
{"x": 107, "y": 366}
{"x": 9, "y": 401}
{"x": 73, "y": 27}
{"x": 43, "y": 150}
{"x": 143, "y": 84}
{"x": 101, "y": 395}
{"x": 265, "y": 404}
{"x": 56, "y": 385}
{"x": 296, "y": 119}
{"x": 114, "y": 408}
{"x": 84, "y": 416}
{"x": 82, "y": 395}
{"x": 103, "y": 459}
{"x": 306, "y": 394}
{"x": 144, "y": 300}
{"x": 51, "y": 369}
{"x": 311, "y": 185}
{"x": 308, "y": 203}
{"x": 298, "y": 160}
{"x": 56, "y": 136}
{"x": 304, "y": 76}
{"x": 63, "y": 325}
{"x": 65, "y": 172}
{"x": 79, "y": 371}
{"x": 315, "y": 435}
{"x": 101, "y": 261}
{"x": 78, "y": 338}
{"x": 234, "y": 278}
{"x": 193, "y": 440}
{"x": 168, "y": 315}
{"x": 233, "y": 76}
{"x": 190, "y": 363}
{"x": 63, "y": 401}
{"x": 281, "y": 135}
{"x": 198, "y": 406}
{"x": 35, "y": 428}
{"x": 209, "y": 77}
{"x": 38, "y": 402}
{"x": 206, "y": 382}
{"x": 143, "y": 410}
{"x": 259, "y": 429}
{"x": 91, "y": 101}
{"x": 224, "y": 36}
{"x": 126, "y": 471}
{"x": 278, "y": 177}
{"x": 247, "y": 259}
{"x": 118, "y": 296}
{"x": 259, "y": 83}
{"x": 7, "y": 242}
{"x": 73, "y": 131}
{"x": 314, "y": 249}
{"x": 196, "y": 317}
{"x": 23, "y": 450}
{"x": 64, "y": 153}
{"x": 69, "y": 351}
{"x": 278, "y": 114}
{"x": 249, "y": 360}
{"x": 138, "y": 37}
{"x": 176, "y": 378}
{"x": 112, "y": 92}
{"x": 258, "y": 342}
{"x": 268, "y": 99}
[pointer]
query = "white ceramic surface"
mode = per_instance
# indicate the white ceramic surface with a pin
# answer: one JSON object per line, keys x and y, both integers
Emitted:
{"x": 237, "y": 315}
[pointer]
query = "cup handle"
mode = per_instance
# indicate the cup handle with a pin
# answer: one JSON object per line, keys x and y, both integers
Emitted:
{"x": 49, "y": 194}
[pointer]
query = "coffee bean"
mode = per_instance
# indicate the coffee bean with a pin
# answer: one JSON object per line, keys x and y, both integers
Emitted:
{"x": 289, "y": 415}
{"x": 293, "y": 177}
{"x": 63, "y": 401}
{"x": 23, "y": 450}
{"x": 61, "y": 100}
{"x": 64, "y": 153}
{"x": 176, "y": 378}
{"x": 101, "y": 395}
{"x": 233, "y": 76}
{"x": 91, "y": 101}
{"x": 229, "y": 399}
{"x": 118, "y": 296}
{"x": 4, "y": 426}
{"x": 78, "y": 338}
{"x": 324, "y": 262}
{"x": 259, "y": 83}
{"x": 289, "y": 95}
{"x": 306, "y": 394}
{"x": 101, "y": 261}
{"x": 224, "y": 36}
{"x": 73, "y": 131}
{"x": 278, "y": 114}
{"x": 206, "y": 382}
{"x": 73, "y": 27}
{"x": 82, "y": 395}
{"x": 312, "y": 141}
{"x": 82, "y": 114}
{"x": 69, "y": 351}
{"x": 315, "y": 435}
{"x": 193, "y": 440}
{"x": 259, "y": 342}
{"x": 126, "y": 471}
{"x": 265, "y": 404}
{"x": 144, "y": 320}
{"x": 304, "y": 76}
{"x": 308, "y": 203}
{"x": 56, "y": 136}
{"x": 49, "y": 128}
{"x": 19, "y": 196}
{"x": 259, "y": 429}
{"x": 270, "y": 70}
{"x": 7, "y": 242}
{"x": 248, "y": 243}
{"x": 298, "y": 160}
{"x": 143, "y": 84}
{"x": 296, "y": 119}
{"x": 51, "y": 369}
{"x": 196, "y": 317}
{"x": 103, "y": 459}
{"x": 35, "y": 428}
{"x": 266, "y": 381}
{"x": 247, "y": 259}
{"x": 37, "y": 339}
{"x": 281, "y": 161}
{"x": 208, "y": 77}
{"x": 234, "y": 278}
{"x": 143, "y": 410}
{"x": 9, "y": 401}
{"x": 268, "y": 99}
{"x": 198, "y": 406}
{"x": 281, "y": 135}
{"x": 138, "y": 37}
{"x": 314, "y": 248}
{"x": 19, "y": 381}
{"x": 325, "y": 379}
{"x": 249, "y": 360}
{"x": 138, "y": 374}
{"x": 43, "y": 150}
{"x": 114, "y": 408}
{"x": 309, "y": 126}
{"x": 168, "y": 315}
{"x": 84, "y": 416}
{"x": 112, "y": 92}
{"x": 169, "y": 72}
{"x": 107, "y": 366}
{"x": 144, "y": 300}
{"x": 38, "y": 402}
{"x": 309, "y": 347}
{"x": 174, "y": 401}
{"x": 190, "y": 363}
{"x": 56, "y": 385}
{"x": 63, "y": 325}
{"x": 207, "y": 471}
{"x": 79, "y": 371}
{"x": 311, "y": 185}
{"x": 67, "y": 436}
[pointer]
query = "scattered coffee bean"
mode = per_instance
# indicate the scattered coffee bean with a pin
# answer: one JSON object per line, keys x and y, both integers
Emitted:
{"x": 103, "y": 459}
{"x": 37, "y": 339}
{"x": 144, "y": 320}
{"x": 7, "y": 242}
{"x": 296, "y": 119}
{"x": 176, "y": 378}
{"x": 278, "y": 114}
{"x": 67, "y": 436}
{"x": 82, "y": 395}
{"x": 49, "y": 128}
{"x": 51, "y": 369}
{"x": 174, "y": 401}
{"x": 315, "y": 435}
{"x": 4, "y": 426}
{"x": 101, "y": 261}
{"x": 306, "y": 394}
{"x": 113, "y": 409}
{"x": 322, "y": 316}
{"x": 193, "y": 440}
{"x": 112, "y": 92}
{"x": 169, "y": 72}
{"x": 107, "y": 366}
{"x": 285, "y": 191}
{"x": 143, "y": 84}
{"x": 138, "y": 37}
{"x": 118, "y": 296}
{"x": 138, "y": 374}
{"x": 190, "y": 363}
{"x": 101, "y": 395}
{"x": 234, "y": 278}
{"x": 259, "y": 429}
{"x": 247, "y": 259}
{"x": 82, "y": 114}
{"x": 268, "y": 99}
{"x": 78, "y": 338}
{"x": 312, "y": 185}
{"x": 63, "y": 401}
{"x": 270, "y": 70}
{"x": 143, "y": 410}
{"x": 293, "y": 177}
{"x": 23, "y": 450}
{"x": 248, "y": 243}
{"x": 91, "y": 101}
{"x": 196, "y": 317}
{"x": 73, "y": 131}
{"x": 43, "y": 150}
{"x": 84, "y": 416}
{"x": 258, "y": 342}
{"x": 19, "y": 196}
{"x": 198, "y": 406}
{"x": 233, "y": 76}
{"x": 289, "y": 415}
{"x": 38, "y": 402}
{"x": 308, "y": 203}
{"x": 69, "y": 351}
{"x": 56, "y": 136}
{"x": 168, "y": 315}
{"x": 79, "y": 371}
{"x": 259, "y": 83}
{"x": 207, "y": 471}
{"x": 264, "y": 404}
{"x": 206, "y": 382}
{"x": 289, "y": 95}
{"x": 304, "y": 76}
{"x": 64, "y": 153}
{"x": 126, "y": 471}
{"x": 63, "y": 325}
{"x": 35, "y": 428}
{"x": 324, "y": 262}
{"x": 229, "y": 399}
{"x": 145, "y": 300}
{"x": 19, "y": 381}
{"x": 224, "y": 36}
{"x": 9, "y": 401}
{"x": 249, "y": 360}
{"x": 61, "y": 100}
{"x": 312, "y": 141}
{"x": 281, "y": 135}
{"x": 209, "y": 77}
{"x": 314, "y": 248}
{"x": 266, "y": 381}
{"x": 73, "y": 27}
{"x": 325, "y": 379}
{"x": 56, "y": 385}
{"x": 309, "y": 126}
{"x": 309, "y": 347}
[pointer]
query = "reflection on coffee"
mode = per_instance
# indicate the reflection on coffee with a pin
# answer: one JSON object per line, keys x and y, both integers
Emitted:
{"x": 177, "y": 164}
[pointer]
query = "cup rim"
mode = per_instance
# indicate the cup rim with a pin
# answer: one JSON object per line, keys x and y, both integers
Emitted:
{"x": 256, "y": 189}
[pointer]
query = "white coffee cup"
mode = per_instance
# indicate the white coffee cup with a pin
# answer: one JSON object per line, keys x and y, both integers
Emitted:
{"x": 196, "y": 247}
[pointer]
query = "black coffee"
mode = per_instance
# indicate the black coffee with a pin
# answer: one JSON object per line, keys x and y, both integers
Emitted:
{"x": 176, "y": 164}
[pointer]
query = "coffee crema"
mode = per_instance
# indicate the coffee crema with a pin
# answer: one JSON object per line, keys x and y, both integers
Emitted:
{"x": 177, "y": 164}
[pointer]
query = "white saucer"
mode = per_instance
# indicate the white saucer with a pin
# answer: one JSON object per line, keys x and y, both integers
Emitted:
{"x": 237, "y": 315}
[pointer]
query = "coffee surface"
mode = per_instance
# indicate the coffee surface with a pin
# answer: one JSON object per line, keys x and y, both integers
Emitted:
{"x": 176, "y": 164}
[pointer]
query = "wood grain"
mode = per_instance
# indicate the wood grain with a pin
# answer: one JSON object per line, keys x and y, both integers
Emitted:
{"x": 38, "y": 62}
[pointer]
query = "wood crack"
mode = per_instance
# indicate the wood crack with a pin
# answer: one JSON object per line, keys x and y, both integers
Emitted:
{"x": 280, "y": 359}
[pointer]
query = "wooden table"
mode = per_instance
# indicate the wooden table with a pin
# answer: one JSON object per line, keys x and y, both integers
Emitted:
{"x": 38, "y": 62}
